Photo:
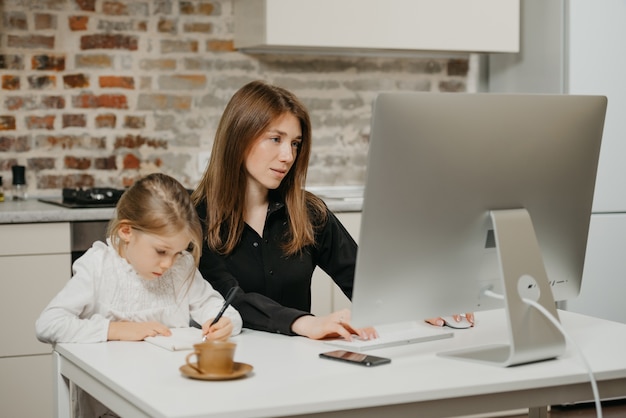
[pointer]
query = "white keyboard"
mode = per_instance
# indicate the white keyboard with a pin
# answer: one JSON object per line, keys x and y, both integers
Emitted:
{"x": 393, "y": 335}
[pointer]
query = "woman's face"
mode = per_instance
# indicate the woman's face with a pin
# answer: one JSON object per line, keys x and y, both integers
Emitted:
{"x": 274, "y": 152}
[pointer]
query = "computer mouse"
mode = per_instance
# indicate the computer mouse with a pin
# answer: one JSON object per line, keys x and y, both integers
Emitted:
{"x": 453, "y": 323}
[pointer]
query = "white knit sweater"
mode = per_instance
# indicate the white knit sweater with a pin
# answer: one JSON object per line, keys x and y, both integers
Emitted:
{"x": 104, "y": 287}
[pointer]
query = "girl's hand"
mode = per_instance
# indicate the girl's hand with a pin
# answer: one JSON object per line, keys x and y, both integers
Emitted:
{"x": 337, "y": 324}
{"x": 135, "y": 331}
{"x": 219, "y": 331}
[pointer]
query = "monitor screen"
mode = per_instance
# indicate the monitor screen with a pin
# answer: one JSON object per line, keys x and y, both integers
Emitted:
{"x": 465, "y": 190}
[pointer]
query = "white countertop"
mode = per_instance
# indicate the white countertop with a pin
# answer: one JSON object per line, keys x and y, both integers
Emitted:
{"x": 33, "y": 211}
{"x": 338, "y": 199}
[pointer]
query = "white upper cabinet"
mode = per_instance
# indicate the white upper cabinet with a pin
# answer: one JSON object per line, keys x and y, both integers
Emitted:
{"x": 385, "y": 26}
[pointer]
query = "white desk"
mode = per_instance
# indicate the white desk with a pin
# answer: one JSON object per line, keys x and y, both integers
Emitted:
{"x": 142, "y": 380}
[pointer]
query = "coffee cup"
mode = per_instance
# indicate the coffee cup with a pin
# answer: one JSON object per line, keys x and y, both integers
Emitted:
{"x": 214, "y": 357}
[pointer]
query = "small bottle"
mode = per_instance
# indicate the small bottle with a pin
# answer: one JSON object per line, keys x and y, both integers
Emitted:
{"x": 19, "y": 182}
{"x": 1, "y": 191}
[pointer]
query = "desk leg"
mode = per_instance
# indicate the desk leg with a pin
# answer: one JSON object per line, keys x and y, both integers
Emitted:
{"x": 61, "y": 389}
{"x": 538, "y": 412}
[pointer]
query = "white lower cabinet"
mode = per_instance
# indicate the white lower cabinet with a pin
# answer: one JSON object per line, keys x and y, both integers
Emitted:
{"x": 326, "y": 297}
{"x": 35, "y": 263}
{"x": 27, "y": 386}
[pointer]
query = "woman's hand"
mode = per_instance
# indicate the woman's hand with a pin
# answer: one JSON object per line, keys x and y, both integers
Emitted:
{"x": 337, "y": 324}
{"x": 439, "y": 322}
{"x": 219, "y": 331}
{"x": 135, "y": 331}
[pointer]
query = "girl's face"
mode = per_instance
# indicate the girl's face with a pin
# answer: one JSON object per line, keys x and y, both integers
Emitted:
{"x": 274, "y": 152}
{"x": 151, "y": 255}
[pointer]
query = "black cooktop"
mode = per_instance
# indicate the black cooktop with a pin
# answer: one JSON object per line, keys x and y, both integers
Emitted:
{"x": 102, "y": 197}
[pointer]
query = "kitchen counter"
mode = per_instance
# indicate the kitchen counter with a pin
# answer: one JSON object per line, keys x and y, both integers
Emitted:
{"x": 338, "y": 199}
{"x": 34, "y": 211}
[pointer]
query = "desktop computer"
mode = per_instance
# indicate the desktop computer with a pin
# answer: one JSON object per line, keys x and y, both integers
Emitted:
{"x": 469, "y": 195}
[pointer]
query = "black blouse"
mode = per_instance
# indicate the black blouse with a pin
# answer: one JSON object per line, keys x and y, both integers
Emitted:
{"x": 275, "y": 290}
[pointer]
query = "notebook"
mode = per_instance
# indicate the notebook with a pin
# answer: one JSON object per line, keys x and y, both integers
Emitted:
{"x": 181, "y": 339}
{"x": 395, "y": 334}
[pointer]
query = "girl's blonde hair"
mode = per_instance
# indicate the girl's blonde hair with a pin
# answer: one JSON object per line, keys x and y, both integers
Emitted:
{"x": 158, "y": 204}
{"x": 222, "y": 188}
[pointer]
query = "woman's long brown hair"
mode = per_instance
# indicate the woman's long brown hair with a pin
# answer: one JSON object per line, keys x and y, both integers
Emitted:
{"x": 222, "y": 188}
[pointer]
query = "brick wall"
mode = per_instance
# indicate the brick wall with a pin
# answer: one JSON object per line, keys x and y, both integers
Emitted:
{"x": 99, "y": 92}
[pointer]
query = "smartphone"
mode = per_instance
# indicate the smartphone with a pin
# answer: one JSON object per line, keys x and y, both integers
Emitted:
{"x": 355, "y": 358}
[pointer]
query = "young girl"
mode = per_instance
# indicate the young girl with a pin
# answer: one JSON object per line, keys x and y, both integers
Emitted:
{"x": 144, "y": 280}
{"x": 141, "y": 283}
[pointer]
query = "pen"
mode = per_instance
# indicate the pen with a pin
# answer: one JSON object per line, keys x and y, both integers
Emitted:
{"x": 229, "y": 298}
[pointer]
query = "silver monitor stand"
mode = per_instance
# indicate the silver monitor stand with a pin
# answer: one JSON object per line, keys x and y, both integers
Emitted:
{"x": 532, "y": 336}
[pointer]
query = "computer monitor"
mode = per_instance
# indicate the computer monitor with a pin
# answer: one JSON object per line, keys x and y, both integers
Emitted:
{"x": 472, "y": 192}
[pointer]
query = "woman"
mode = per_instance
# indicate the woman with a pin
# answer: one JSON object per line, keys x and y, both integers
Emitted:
{"x": 263, "y": 231}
